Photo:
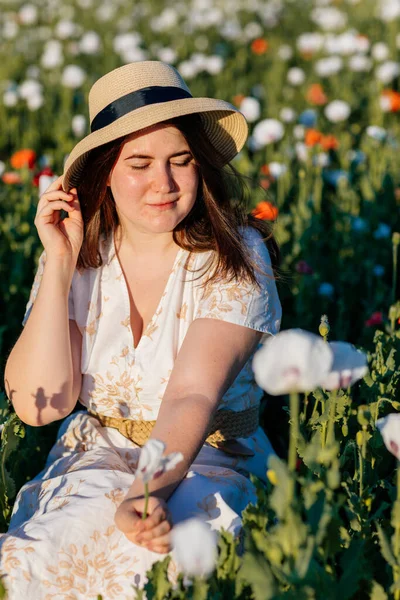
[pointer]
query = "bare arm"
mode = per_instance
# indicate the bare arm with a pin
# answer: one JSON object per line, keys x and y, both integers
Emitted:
{"x": 42, "y": 374}
{"x": 211, "y": 356}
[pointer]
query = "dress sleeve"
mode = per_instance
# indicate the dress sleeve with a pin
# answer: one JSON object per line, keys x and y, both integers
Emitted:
{"x": 241, "y": 302}
{"x": 35, "y": 288}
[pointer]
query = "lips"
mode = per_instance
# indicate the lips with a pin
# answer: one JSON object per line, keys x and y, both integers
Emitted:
{"x": 163, "y": 203}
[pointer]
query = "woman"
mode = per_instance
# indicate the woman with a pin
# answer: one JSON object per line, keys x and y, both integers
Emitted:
{"x": 148, "y": 304}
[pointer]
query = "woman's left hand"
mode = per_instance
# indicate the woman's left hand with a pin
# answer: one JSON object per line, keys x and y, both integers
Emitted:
{"x": 154, "y": 531}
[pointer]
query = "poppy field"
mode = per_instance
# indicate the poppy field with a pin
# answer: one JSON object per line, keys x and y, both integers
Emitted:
{"x": 319, "y": 84}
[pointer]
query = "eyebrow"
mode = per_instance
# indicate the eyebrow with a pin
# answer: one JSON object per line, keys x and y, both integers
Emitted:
{"x": 147, "y": 156}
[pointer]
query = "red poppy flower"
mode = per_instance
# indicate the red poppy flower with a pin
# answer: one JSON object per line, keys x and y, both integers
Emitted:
{"x": 11, "y": 177}
{"x": 45, "y": 171}
{"x": 375, "y": 319}
{"x": 23, "y": 158}
{"x": 265, "y": 210}
{"x": 259, "y": 46}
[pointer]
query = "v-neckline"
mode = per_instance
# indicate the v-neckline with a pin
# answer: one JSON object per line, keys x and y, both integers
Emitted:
{"x": 121, "y": 276}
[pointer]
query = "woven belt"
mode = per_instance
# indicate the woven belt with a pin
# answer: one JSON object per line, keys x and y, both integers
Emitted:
{"x": 227, "y": 425}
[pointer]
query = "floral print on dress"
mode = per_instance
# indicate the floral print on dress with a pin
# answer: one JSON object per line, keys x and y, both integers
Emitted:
{"x": 62, "y": 542}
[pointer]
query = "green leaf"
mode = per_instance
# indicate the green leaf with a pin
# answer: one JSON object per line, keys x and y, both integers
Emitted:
{"x": 158, "y": 585}
{"x": 353, "y": 570}
{"x": 377, "y": 592}
{"x": 256, "y": 572}
{"x": 11, "y": 434}
{"x": 386, "y": 549}
{"x": 3, "y": 591}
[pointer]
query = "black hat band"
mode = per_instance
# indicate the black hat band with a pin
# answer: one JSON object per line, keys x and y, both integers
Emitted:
{"x": 134, "y": 100}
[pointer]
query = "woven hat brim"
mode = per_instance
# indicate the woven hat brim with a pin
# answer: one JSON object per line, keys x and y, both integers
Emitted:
{"x": 224, "y": 125}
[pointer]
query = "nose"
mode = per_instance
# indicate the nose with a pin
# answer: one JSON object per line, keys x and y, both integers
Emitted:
{"x": 163, "y": 181}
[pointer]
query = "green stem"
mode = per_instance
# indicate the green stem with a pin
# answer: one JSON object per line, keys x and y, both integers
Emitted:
{"x": 314, "y": 409}
{"x": 332, "y": 414}
{"x": 294, "y": 430}
{"x": 146, "y": 496}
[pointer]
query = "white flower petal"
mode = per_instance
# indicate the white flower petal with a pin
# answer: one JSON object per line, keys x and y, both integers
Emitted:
{"x": 293, "y": 360}
{"x": 195, "y": 547}
{"x": 389, "y": 428}
{"x": 349, "y": 365}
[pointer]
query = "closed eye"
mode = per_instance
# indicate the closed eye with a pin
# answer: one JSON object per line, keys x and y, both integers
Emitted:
{"x": 182, "y": 164}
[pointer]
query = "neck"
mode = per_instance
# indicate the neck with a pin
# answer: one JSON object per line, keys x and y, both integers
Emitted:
{"x": 142, "y": 244}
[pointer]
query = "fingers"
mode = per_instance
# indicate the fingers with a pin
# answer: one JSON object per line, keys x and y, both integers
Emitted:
{"x": 57, "y": 200}
{"x": 160, "y": 514}
{"x": 156, "y": 533}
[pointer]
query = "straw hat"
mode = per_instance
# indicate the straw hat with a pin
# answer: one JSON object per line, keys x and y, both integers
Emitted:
{"x": 142, "y": 94}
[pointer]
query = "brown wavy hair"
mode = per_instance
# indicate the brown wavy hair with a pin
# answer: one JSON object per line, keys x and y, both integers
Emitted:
{"x": 220, "y": 209}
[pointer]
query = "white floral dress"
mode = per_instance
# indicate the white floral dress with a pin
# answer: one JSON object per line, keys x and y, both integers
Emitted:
{"x": 62, "y": 542}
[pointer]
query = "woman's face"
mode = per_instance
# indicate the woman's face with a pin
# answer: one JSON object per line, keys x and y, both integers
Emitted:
{"x": 155, "y": 179}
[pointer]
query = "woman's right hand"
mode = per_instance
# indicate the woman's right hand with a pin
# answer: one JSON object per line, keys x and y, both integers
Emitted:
{"x": 60, "y": 239}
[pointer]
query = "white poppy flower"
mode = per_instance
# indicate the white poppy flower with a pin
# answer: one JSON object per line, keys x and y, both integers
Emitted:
{"x": 134, "y": 55}
{"x": 105, "y": 12}
{"x": 285, "y": 52}
{"x": 10, "y": 98}
{"x": 385, "y": 103}
{"x": 252, "y": 30}
{"x": 349, "y": 365}
{"x": 65, "y": 29}
{"x": 10, "y": 29}
{"x": 90, "y": 43}
{"x": 360, "y": 63}
{"x": 2, "y": 167}
{"x": 329, "y": 18}
{"x": 266, "y": 132}
{"x": 389, "y": 428}
{"x": 301, "y": 151}
{"x": 30, "y": 87}
{"x": 293, "y": 360}
{"x": 376, "y": 132}
{"x": 389, "y": 10}
{"x": 387, "y": 71}
{"x": 296, "y": 76}
{"x": 299, "y": 132}
{"x": 380, "y": 51}
{"x": 167, "y": 55}
{"x": 194, "y": 547}
{"x": 52, "y": 55}
{"x": 322, "y": 159}
{"x": 214, "y": 64}
{"x": 337, "y": 111}
{"x": 35, "y": 102}
{"x": 187, "y": 69}
{"x": 78, "y": 125}
{"x": 73, "y": 76}
{"x": 325, "y": 67}
{"x": 125, "y": 41}
{"x": 28, "y": 14}
{"x": 363, "y": 43}
{"x": 250, "y": 108}
{"x": 277, "y": 169}
{"x": 309, "y": 43}
{"x": 344, "y": 44}
{"x": 152, "y": 463}
{"x": 287, "y": 115}
{"x": 44, "y": 182}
